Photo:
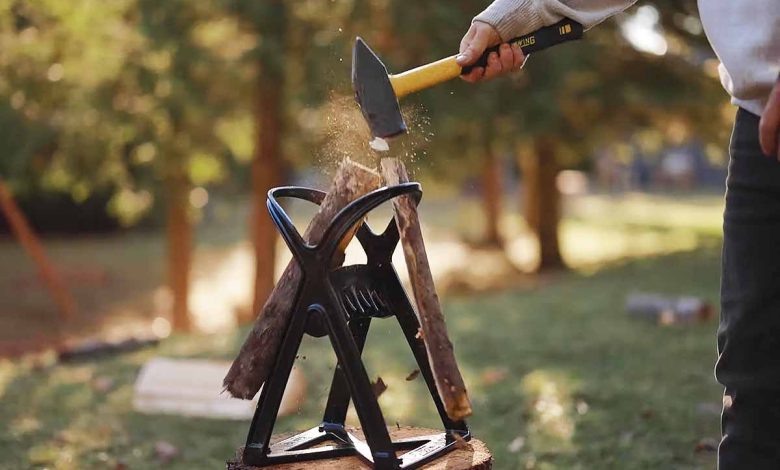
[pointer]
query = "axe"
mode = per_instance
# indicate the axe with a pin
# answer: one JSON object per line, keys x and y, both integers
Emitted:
{"x": 377, "y": 93}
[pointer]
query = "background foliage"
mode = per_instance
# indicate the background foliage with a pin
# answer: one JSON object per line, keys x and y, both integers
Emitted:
{"x": 103, "y": 101}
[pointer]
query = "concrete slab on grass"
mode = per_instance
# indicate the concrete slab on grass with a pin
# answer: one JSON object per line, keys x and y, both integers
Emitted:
{"x": 193, "y": 387}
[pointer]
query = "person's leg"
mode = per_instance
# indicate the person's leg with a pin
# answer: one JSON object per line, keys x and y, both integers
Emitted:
{"x": 749, "y": 333}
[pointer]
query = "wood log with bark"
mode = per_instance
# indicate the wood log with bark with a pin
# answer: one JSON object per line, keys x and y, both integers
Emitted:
{"x": 441, "y": 355}
{"x": 257, "y": 356}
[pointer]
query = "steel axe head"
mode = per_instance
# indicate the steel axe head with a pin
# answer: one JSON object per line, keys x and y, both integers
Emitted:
{"x": 374, "y": 92}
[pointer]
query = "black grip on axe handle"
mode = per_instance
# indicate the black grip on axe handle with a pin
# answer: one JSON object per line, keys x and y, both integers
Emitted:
{"x": 562, "y": 31}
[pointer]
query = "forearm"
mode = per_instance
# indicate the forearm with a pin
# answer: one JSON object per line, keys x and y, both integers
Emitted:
{"x": 512, "y": 18}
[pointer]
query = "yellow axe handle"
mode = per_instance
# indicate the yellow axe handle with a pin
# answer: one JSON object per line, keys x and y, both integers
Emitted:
{"x": 425, "y": 76}
{"x": 446, "y": 69}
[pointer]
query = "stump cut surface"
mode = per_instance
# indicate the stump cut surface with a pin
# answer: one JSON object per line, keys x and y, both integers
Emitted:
{"x": 471, "y": 455}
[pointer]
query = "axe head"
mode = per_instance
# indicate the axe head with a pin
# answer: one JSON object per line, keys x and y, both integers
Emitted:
{"x": 374, "y": 93}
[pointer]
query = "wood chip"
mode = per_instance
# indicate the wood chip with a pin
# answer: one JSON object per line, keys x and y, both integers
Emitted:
{"x": 378, "y": 387}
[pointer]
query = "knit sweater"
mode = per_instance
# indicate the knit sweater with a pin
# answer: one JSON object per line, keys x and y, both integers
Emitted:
{"x": 744, "y": 34}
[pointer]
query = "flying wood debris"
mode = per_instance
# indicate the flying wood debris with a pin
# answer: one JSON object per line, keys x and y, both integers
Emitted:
{"x": 413, "y": 375}
{"x": 379, "y": 387}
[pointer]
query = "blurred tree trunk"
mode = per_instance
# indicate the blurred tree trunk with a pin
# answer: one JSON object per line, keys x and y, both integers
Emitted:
{"x": 179, "y": 236}
{"x": 381, "y": 19}
{"x": 32, "y": 245}
{"x": 492, "y": 192}
{"x": 267, "y": 161}
{"x": 542, "y": 200}
{"x": 266, "y": 173}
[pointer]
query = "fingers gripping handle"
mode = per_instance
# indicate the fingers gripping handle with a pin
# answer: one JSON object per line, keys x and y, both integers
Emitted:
{"x": 562, "y": 31}
{"x": 445, "y": 69}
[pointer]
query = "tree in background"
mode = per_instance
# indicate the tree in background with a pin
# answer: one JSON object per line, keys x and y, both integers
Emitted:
{"x": 491, "y": 188}
{"x": 294, "y": 68}
{"x": 54, "y": 60}
{"x": 51, "y": 138}
{"x": 163, "y": 93}
{"x": 267, "y": 23}
{"x": 171, "y": 78}
{"x": 567, "y": 102}
{"x": 146, "y": 101}
{"x": 599, "y": 92}
{"x": 119, "y": 96}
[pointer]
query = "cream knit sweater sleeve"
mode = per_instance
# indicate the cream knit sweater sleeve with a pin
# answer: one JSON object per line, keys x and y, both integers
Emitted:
{"x": 513, "y": 18}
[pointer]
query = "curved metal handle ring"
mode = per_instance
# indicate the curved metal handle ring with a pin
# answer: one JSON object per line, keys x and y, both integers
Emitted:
{"x": 290, "y": 234}
{"x": 352, "y": 213}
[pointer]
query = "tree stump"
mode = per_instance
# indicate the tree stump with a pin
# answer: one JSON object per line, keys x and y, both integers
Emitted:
{"x": 471, "y": 455}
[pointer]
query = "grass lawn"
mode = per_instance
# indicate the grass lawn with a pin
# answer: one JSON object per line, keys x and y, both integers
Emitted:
{"x": 560, "y": 377}
{"x": 118, "y": 280}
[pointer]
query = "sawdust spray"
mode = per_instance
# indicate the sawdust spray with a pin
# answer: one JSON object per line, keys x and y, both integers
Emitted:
{"x": 345, "y": 134}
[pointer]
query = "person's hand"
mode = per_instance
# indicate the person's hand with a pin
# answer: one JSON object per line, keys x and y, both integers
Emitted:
{"x": 769, "y": 127}
{"x": 479, "y": 37}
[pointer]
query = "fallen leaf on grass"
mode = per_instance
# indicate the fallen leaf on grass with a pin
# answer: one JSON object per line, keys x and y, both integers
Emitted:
{"x": 516, "y": 445}
{"x": 102, "y": 384}
{"x": 493, "y": 375}
{"x": 164, "y": 451}
{"x": 23, "y": 425}
{"x": 41, "y": 361}
{"x": 43, "y": 454}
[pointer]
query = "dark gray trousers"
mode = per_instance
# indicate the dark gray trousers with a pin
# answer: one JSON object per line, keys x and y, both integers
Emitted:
{"x": 749, "y": 332}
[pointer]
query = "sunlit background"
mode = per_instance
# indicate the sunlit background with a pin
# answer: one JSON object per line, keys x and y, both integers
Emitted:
{"x": 138, "y": 140}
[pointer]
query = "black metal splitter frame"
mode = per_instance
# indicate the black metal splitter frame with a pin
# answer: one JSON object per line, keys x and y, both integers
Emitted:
{"x": 340, "y": 302}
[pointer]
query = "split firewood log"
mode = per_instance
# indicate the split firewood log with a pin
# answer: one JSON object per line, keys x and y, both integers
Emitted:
{"x": 441, "y": 355}
{"x": 257, "y": 356}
